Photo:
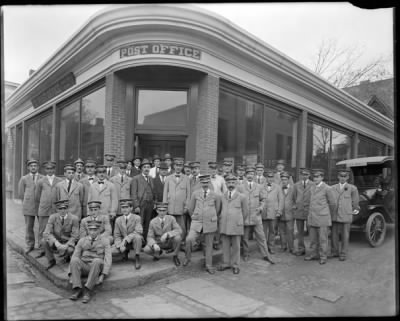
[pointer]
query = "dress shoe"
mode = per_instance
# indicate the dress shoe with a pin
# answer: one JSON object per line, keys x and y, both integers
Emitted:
{"x": 236, "y": 270}
{"x": 246, "y": 258}
{"x": 268, "y": 259}
{"x": 77, "y": 294}
{"x": 176, "y": 260}
{"x": 223, "y": 267}
{"x": 300, "y": 253}
{"x": 322, "y": 261}
{"x": 86, "y": 295}
{"x": 28, "y": 250}
{"x": 342, "y": 258}
{"x": 309, "y": 258}
{"x": 186, "y": 262}
{"x": 210, "y": 270}
{"x": 39, "y": 255}
{"x": 51, "y": 264}
{"x": 137, "y": 262}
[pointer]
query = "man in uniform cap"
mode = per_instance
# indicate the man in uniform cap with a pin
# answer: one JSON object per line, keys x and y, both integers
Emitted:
{"x": 227, "y": 167}
{"x": 240, "y": 171}
{"x": 91, "y": 258}
{"x": 194, "y": 179}
{"x": 104, "y": 191}
{"x": 61, "y": 234}
{"x": 94, "y": 215}
{"x": 168, "y": 160}
{"x": 164, "y": 233}
{"x": 128, "y": 232}
{"x": 111, "y": 169}
{"x": 142, "y": 187}
{"x": 156, "y": 166}
{"x": 79, "y": 165}
{"x": 45, "y": 194}
{"x": 122, "y": 184}
{"x": 346, "y": 205}
{"x": 260, "y": 178}
{"x": 204, "y": 208}
{"x": 137, "y": 160}
{"x": 26, "y": 191}
{"x": 177, "y": 193}
{"x": 187, "y": 169}
{"x": 280, "y": 168}
{"x": 319, "y": 218}
{"x": 87, "y": 181}
{"x": 71, "y": 190}
{"x": 301, "y": 196}
{"x": 253, "y": 222}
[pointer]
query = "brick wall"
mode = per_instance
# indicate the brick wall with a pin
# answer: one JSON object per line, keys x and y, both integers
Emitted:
{"x": 115, "y": 117}
{"x": 207, "y": 121}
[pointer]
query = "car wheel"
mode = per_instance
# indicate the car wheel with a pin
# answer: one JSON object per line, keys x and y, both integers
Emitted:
{"x": 375, "y": 229}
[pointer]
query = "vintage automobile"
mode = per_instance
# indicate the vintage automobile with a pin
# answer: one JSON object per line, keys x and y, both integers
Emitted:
{"x": 373, "y": 177}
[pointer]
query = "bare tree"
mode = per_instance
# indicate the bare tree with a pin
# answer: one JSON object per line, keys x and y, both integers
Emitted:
{"x": 343, "y": 67}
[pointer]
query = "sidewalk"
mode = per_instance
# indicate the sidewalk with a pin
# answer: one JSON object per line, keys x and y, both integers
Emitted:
{"x": 123, "y": 274}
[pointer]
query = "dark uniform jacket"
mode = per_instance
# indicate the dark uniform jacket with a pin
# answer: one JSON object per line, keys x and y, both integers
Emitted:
{"x": 142, "y": 190}
{"x": 302, "y": 199}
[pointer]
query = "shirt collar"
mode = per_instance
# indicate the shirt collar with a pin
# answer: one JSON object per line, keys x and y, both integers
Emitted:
{"x": 66, "y": 215}
{"x": 320, "y": 183}
{"x": 50, "y": 176}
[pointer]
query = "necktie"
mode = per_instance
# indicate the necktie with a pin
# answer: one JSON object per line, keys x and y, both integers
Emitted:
{"x": 69, "y": 185}
{"x": 34, "y": 178}
{"x": 126, "y": 220}
{"x": 205, "y": 194}
{"x": 304, "y": 184}
{"x": 230, "y": 195}
{"x": 250, "y": 185}
{"x": 109, "y": 171}
{"x": 259, "y": 180}
{"x": 62, "y": 220}
{"x": 91, "y": 241}
{"x": 122, "y": 179}
{"x": 162, "y": 223}
{"x": 79, "y": 176}
{"x": 147, "y": 179}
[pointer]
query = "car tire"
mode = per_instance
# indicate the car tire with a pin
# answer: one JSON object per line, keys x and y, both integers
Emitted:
{"x": 375, "y": 229}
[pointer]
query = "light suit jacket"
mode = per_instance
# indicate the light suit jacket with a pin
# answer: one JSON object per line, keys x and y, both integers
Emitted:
{"x": 46, "y": 195}
{"x": 26, "y": 191}
{"x": 75, "y": 196}
{"x": 255, "y": 200}
{"x": 123, "y": 189}
{"x": 67, "y": 233}
{"x": 234, "y": 214}
{"x": 288, "y": 203}
{"x": 106, "y": 195}
{"x": 346, "y": 201}
{"x": 302, "y": 198}
{"x": 321, "y": 199}
{"x": 273, "y": 201}
{"x": 155, "y": 230}
{"x": 177, "y": 194}
{"x": 86, "y": 185}
{"x": 122, "y": 230}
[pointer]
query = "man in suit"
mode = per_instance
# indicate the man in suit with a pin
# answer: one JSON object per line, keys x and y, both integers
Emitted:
{"x": 104, "y": 191}
{"x": 45, "y": 195}
{"x": 26, "y": 191}
{"x": 194, "y": 180}
{"x": 187, "y": 169}
{"x": 143, "y": 195}
{"x": 156, "y": 166}
{"x": 111, "y": 169}
{"x": 260, "y": 178}
{"x": 301, "y": 196}
{"x": 137, "y": 160}
{"x": 87, "y": 181}
{"x": 168, "y": 160}
{"x": 285, "y": 220}
{"x": 204, "y": 208}
{"x": 227, "y": 168}
{"x": 273, "y": 208}
{"x": 177, "y": 195}
{"x": 164, "y": 234}
{"x": 79, "y": 165}
{"x": 71, "y": 190}
{"x": 319, "y": 217}
{"x": 253, "y": 223}
{"x": 128, "y": 233}
{"x": 346, "y": 205}
{"x": 61, "y": 234}
{"x": 240, "y": 171}
{"x": 122, "y": 184}
{"x": 159, "y": 182}
{"x": 280, "y": 168}
{"x": 94, "y": 215}
{"x": 92, "y": 258}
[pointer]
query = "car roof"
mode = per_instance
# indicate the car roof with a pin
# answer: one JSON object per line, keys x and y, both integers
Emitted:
{"x": 363, "y": 161}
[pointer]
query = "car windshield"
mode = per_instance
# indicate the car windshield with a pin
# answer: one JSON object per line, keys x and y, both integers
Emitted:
{"x": 372, "y": 176}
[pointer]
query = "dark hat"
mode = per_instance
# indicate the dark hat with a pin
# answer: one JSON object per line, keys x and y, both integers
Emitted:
{"x": 69, "y": 167}
{"x": 93, "y": 224}
{"x": 31, "y": 161}
{"x": 230, "y": 177}
{"x": 122, "y": 163}
{"x": 156, "y": 157}
{"x": 280, "y": 161}
{"x": 167, "y": 156}
{"x": 204, "y": 177}
{"x": 318, "y": 171}
{"x": 125, "y": 202}
{"x": 145, "y": 161}
{"x": 61, "y": 203}
{"x": 163, "y": 165}
{"x": 49, "y": 164}
{"x": 250, "y": 169}
{"x": 109, "y": 155}
{"x": 212, "y": 164}
{"x": 94, "y": 204}
{"x": 161, "y": 205}
{"x": 195, "y": 164}
{"x": 90, "y": 161}
{"x": 178, "y": 160}
{"x": 285, "y": 174}
{"x": 227, "y": 162}
{"x": 343, "y": 171}
{"x": 305, "y": 171}
{"x": 269, "y": 172}
{"x": 260, "y": 165}
{"x": 79, "y": 160}
{"x": 137, "y": 157}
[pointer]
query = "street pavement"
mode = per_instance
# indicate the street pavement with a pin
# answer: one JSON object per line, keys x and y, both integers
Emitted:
{"x": 363, "y": 285}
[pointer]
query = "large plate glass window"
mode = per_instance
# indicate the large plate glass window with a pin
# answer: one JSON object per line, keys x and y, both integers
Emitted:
{"x": 368, "y": 147}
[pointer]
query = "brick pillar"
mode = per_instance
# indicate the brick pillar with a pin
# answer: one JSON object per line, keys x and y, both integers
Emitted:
{"x": 115, "y": 116}
{"x": 207, "y": 121}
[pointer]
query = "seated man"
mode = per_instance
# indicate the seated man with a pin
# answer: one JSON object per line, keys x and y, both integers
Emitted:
{"x": 94, "y": 215}
{"x": 164, "y": 233}
{"x": 61, "y": 234}
{"x": 91, "y": 258}
{"x": 128, "y": 232}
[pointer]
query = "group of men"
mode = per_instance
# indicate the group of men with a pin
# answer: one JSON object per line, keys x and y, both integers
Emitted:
{"x": 100, "y": 210}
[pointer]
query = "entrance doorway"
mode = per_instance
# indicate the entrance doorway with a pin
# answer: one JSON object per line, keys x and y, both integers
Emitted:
{"x": 149, "y": 145}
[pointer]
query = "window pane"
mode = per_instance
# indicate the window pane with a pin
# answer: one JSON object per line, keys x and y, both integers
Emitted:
{"x": 239, "y": 129}
{"x": 318, "y": 146}
{"x": 367, "y": 148}
{"x": 46, "y": 127}
{"x": 341, "y": 148}
{"x": 162, "y": 108}
{"x": 33, "y": 140}
{"x": 92, "y": 127}
{"x": 69, "y": 135}
{"x": 281, "y": 132}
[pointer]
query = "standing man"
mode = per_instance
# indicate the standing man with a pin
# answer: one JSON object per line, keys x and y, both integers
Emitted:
{"x": 273, "y": 209}
{"x": 164, "y": 233}
{"x": 240, "y": 171}
{"x": 71, "y": 190}
{"x": 253, "y": 222}
{"x": 79, "y": 174}
{"x": 91, "y": 258}
{"x": 26, "y": 191}
{"x": 280, "y": 168}
{"x": 285, "y": 221}
{"x": 105, "y": 192}
{"x": 156, "y": 166}
{"x": 45, "y": 195}
{"x": 159, "y": 182}
{"x": 187, "y": 169}
{"x": 194, "y": 180}
{"x": 346, "y": 205}
{"x": 143, "y": 195}
{"x": 87, "y": 181}
{"x": 128, "y": 233}
{"x": 137, "y": 160}
{"x": 234, "y": 214}
{"x": 227, "y": 168}
{"x": 122, "y": 184}
{"x": 260, "y": 179}
{"x": 129, "y": 166}
{"x": 168, "y": 160}
{"x": 61, "y": 234}
{"x": 302, "y": 196}
{"x": 319, "y": 218}
{"x": 205, "y": 207}
{"x": 111, "y": 169}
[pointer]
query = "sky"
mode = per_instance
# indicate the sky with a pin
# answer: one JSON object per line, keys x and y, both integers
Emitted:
{"x": 33, "y": 33}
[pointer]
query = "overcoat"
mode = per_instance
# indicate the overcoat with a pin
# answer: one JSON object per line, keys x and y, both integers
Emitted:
{"x": 46, "y": 195}
{"x": 122, "y": 229}
{"x": 302, "y": 199}
{"x": 155, "y": 230}
{"x": 234, "y": 213}
{"x": 345, "y": 202}
{"x": 320, "y": 201}
{"x": 273, "y": 201}
{"x": 86, "y": 185}
{"x": 255, "y": 200}
{"x": 288, "y": 203}
{"x": 177, "y": 194}
{"x": 64, "y": 233}
{"x": 26, "y": 191}
{"x": 106, "y": 195}
{"x": 75, "y": 196}
{"x": 123, "y": 188}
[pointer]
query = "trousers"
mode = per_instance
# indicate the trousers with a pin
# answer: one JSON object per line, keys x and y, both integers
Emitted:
{"x": 319, "y": 241}
{"x": 231, "y": 250}
{"x": 286, "y": 231}
{"x": 260, "y": 239}
{"x": 300, "y": 235}
{"x": 29, "y": 233}
{"x": 342, "y": 229}
{"x": 269, "y": 232}
{"x": 146, "y": 213}
{"x": 135, "y": 245}
{"x": 50, "y": 250}
{"x": 171, "y": 243}
{"x": 208, "y": 239}
{"x": 91, "y": 270}
{"x": 42, "y": 226}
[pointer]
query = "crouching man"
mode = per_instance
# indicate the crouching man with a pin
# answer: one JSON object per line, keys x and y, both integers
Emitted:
{"x": 91, "y": 258}
{"x": 94, "y": 215}
{"x": 61, "y": 234}
{"x": 164, "y": 233}
{"x": 128, "y": 232}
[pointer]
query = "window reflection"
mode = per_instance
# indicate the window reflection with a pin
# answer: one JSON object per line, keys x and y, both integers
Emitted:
{"x": 46, "y": 133}
{"x": 33, "y": 140}
{"x": 367, "y": 148}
